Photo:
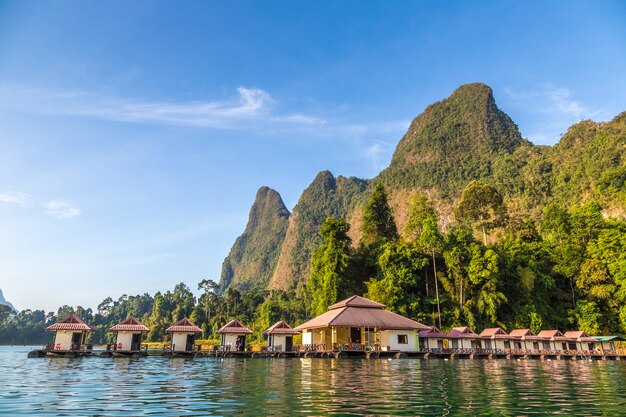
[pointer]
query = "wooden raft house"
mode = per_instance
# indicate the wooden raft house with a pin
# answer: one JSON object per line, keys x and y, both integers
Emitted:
{"x": 233, "y": 336}
{"x": 280, "y": 337}
{"x": 357, "y": 324}
{"x": 183, "y": 334}
{"x": 129, "y": 335}
{"x": 70, "y": 335}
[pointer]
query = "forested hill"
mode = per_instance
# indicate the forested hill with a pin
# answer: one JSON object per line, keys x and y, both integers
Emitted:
{"x": 462, "y": 138}
{"x": 3, "y": 301}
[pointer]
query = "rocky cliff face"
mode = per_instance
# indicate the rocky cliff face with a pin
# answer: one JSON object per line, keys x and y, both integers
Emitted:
{"x": 326, "y": 196}
{"x": 459, "y": 139}
{"x": 4, "y": 301}
{"x": 252, "y": 258}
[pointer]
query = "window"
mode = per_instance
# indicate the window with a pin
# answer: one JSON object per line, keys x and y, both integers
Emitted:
{"x": 507, "y": 344}
{"x": 403, "y": 339}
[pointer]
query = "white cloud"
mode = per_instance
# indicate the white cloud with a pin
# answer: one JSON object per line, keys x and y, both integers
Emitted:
{"x": 251, "y": 108}
{"x": 20, "y": 199}
{"x": 61, "y": 210}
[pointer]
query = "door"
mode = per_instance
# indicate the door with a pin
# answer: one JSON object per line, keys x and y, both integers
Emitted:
{"x": 240, "y": 343}
{"x": 76, "y": 339}
{"x": 355, "y": 334}
{"x": 136, "y": 342}
{"x": 189, "y": 344}
{"x": 288, "y": 343}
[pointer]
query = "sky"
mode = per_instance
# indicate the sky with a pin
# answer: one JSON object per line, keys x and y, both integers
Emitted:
{"x": 134, "y": 135}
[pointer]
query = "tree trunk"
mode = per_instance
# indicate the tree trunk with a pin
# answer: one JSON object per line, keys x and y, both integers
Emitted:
{"x": 484, "y": 236}
{"x": 436, "y": 289}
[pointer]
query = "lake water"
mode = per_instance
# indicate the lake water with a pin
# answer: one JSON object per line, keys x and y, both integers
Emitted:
{"x": 158, "y": 386}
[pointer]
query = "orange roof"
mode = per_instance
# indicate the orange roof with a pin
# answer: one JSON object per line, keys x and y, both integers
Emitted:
{"x": 356, "y": 301}
{"x": 494, "y": 333}
{"x": 183, "y": 326}
{"x": 580, "y": 336}
{"x": 360, "y": 312}
{"x": 131, "y": 324}
{"x": 234, "y": 326}
{"x": 280, "y": 327}
{"x": 552, "y": 335}
{"x": 462, "y": 332}
{"x": 71, "y": 322}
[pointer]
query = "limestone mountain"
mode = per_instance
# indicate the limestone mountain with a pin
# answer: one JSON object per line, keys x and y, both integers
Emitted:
{"x": 462, "y": 138}
{"x": 4, "y": 301}
{"x": 252, "y": 258}
{"x": 326, "y": 196}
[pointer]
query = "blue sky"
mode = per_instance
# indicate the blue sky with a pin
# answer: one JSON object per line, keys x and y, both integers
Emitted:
{"x": 134, "y": 135}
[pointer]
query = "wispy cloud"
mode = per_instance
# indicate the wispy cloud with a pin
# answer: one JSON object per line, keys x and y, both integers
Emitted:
{"x": 21, "y": 199}
{"x": 61, "y": 210}
{"x": 553, "y": 110}
{"x": 252, "y": 107}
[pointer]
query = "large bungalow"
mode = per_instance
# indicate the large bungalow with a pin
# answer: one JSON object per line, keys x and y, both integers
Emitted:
{"x": 280, "y": 337}
{"x": 70, "y": 334}
{"x": 234, "y": 335}
{"x": 183, "y": 336}
{"x": 357, "y": 323}
{"x": 129, "y": 334}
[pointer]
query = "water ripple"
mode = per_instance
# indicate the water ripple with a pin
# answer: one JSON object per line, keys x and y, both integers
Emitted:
{"x": 308, "y": 387}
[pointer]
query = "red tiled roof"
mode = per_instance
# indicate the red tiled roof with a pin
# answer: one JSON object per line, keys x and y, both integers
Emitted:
{"x": 280, "y": 327}
{"x": 372, "y": 317}
{"x": 552, "y": 335}
{"x": 580, "y": 336}
{"x": 356, "y": 301}
{"x": 521, "y": 333}
{"x": 234, "y": 326}
{"x": 131, "y": 324}
{"x": 462, "y": 333}
{"x": 71, "y": 322}
{"x": 183, "y": 326}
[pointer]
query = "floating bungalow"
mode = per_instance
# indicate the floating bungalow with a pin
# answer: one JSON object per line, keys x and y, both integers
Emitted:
{"x": 498, "y": 339}
{"x": 70, "y": 335}
{"x": 463, "y": 338}
{"x": 359, "y": 324}
{"x": 580, "y": 340}
{"x": 234, "y": 335}
{"x": 554, "y": 339}
{"x": 607, "y": 343}
{"x": 280, "y": 337}
{"x": 129, "y": 334}
{"x": 526, "y": 338}
{"x": 183, "y": 334}
{"x": 431, "y": 339}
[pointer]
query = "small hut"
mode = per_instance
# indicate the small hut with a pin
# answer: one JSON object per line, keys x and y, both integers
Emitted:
{"x": 183, "y": 335}
{"x": 496, "y": 338}
{"x": 526, "y": 338}
{"x": 234, "y": 335}
{"x": 129, "y": 335}
{"x": 70, "y": 334}
{"x": 609, "y": 342}
{"x": 280, "y": 337}
{"x": 431, "y": 339}
{"x": 555, "y": 340}
{"x": 463, "y": 338}
{"x": 581, "y": 341}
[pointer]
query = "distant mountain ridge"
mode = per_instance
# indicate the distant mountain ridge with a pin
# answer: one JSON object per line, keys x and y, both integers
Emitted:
{"x": 4, "y": 301}
{"x": 452, "y": 142}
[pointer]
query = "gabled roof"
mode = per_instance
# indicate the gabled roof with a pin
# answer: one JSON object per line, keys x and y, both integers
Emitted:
{"x": 183, "y": 325}
{"x": 580, "y": 336}
{"x": 432, "y": 333}
{"x": 71, "y": 322}
{"x": 234, "y": 326}
{"x": 552, "y": 335}
{"x": 361, "y": 312}
{"x": 494, "y": 333}
{"x": 521, "y": 333}
{"x": 131, "y": 324}
{"x": 356, "y": 301}
{"x": 280, "y": 327}
{"x": 462, "y": 332}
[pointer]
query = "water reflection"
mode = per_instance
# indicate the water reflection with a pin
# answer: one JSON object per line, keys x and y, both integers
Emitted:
{"x": 309, "y": 387}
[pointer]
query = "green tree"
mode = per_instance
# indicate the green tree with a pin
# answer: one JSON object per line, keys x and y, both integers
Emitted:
{"x": 377, "y": 222}
{"x": 481, "y": 205}
{"x": 330, "y": 265}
